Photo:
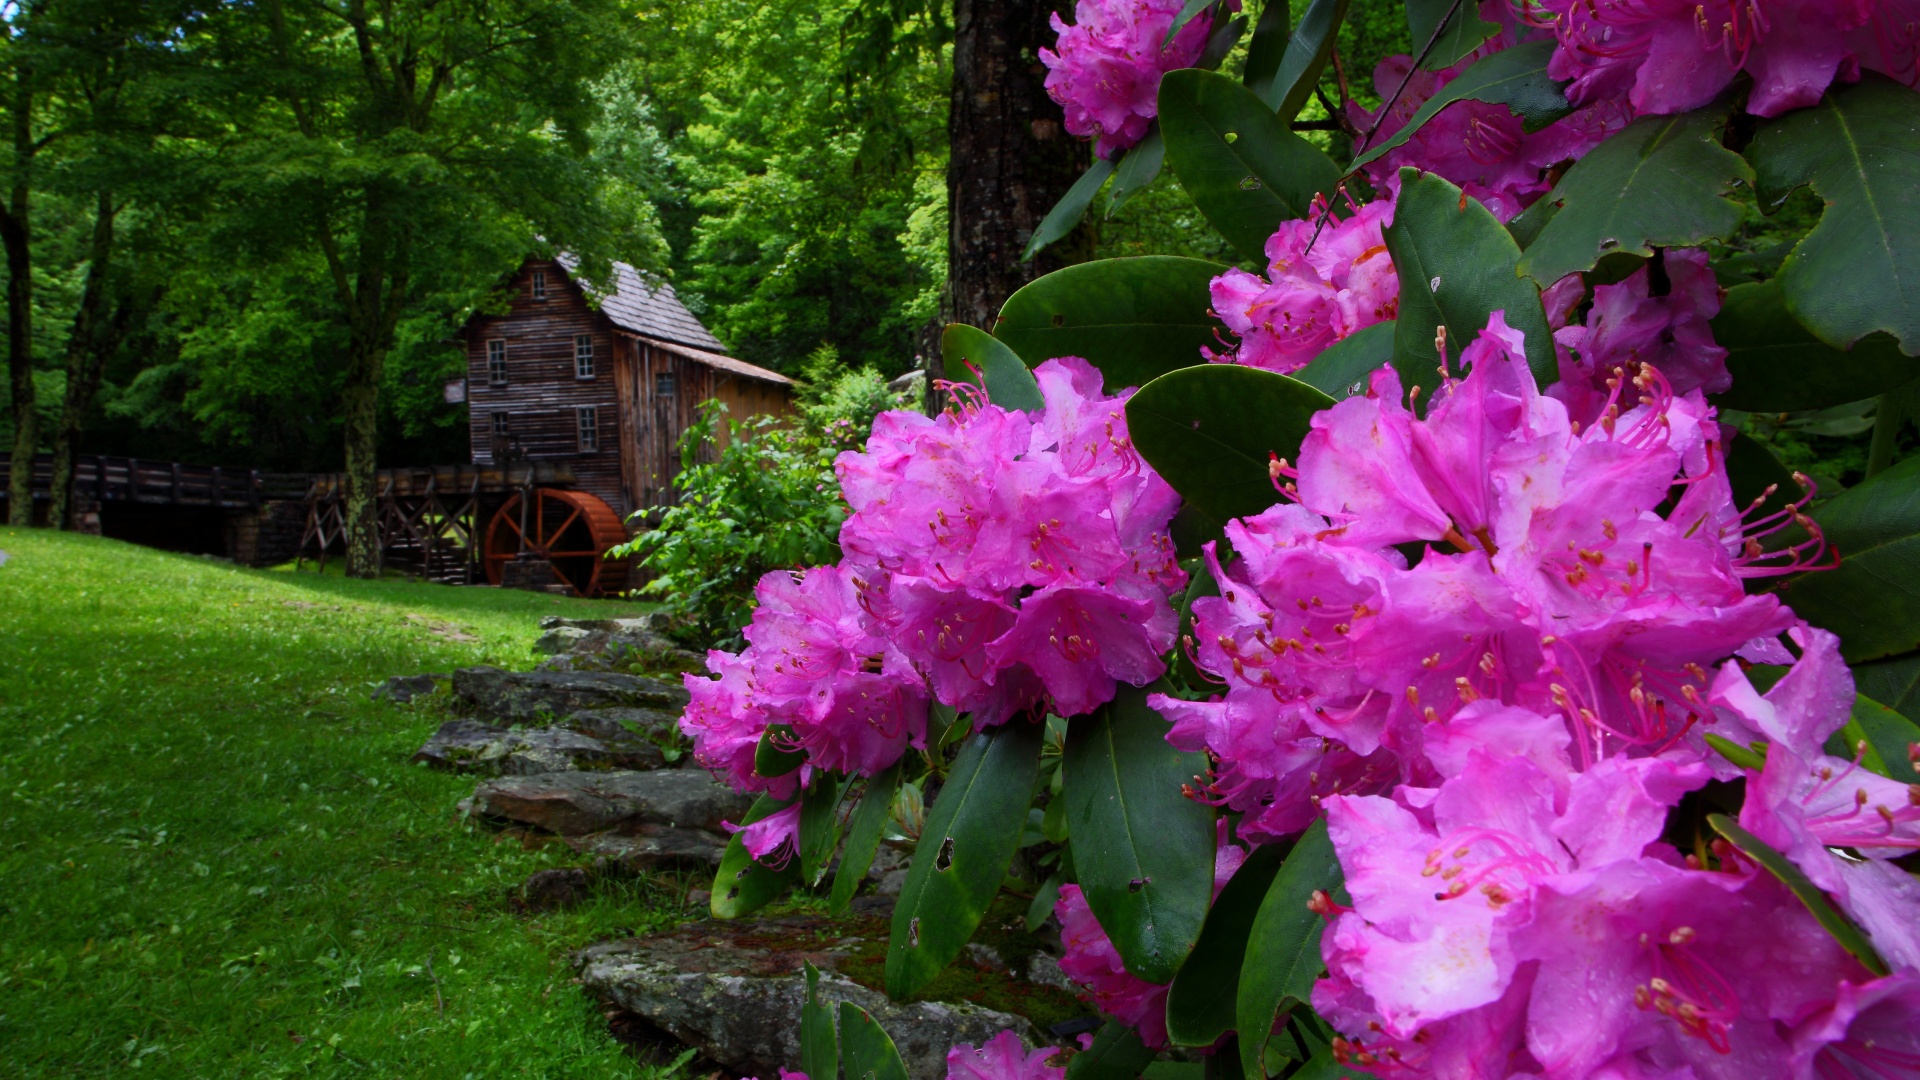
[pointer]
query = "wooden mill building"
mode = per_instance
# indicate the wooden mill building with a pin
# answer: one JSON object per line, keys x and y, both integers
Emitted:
{"x": 605, "y": 382}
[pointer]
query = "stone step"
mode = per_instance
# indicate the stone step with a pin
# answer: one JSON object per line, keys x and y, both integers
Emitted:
{"x": 533, "y": 696}
{"x": 579, "y": 803}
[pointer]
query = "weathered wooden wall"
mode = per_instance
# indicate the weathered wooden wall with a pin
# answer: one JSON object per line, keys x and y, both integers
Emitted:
{"x": 542, "y": 394}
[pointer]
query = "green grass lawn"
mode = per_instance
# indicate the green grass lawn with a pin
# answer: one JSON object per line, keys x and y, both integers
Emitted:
{"x": 215, "y": 859}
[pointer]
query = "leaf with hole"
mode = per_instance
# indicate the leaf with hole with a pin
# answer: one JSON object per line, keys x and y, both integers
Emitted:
{"x": 1872, "y": 599}
{"x": 1779, "y": 365}
{"x": 1008, "y": 381}
{"x": 1515, "y": 77}
{"x": 1201, "y": 1002}
{"x": 1067, "y": 214}
{"x": 1283, "y": 948}
{"x": 1456, "y": 265}
{"x": 1143, "y": 850}
{"x": 1210, "y": 431}
{"x": 863, "y": 838}
{"x": 1132, "y": 318}
{"x": 1239, "y": 162}
{"x": 1858, "y": 271}
{"x": 1662, "y": 181}
{"x": 743, "y": 885}
{"x": 972, "y": 831}
{"x": 1829, "y": 917}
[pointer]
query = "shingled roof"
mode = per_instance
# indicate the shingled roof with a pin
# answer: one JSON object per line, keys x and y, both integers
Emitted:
{"x": 655, "y": 313}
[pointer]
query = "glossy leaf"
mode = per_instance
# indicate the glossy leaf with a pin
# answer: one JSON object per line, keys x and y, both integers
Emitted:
{"x": 742, "y": 886}
{"x": 1202, "y": 1001}
{"x": 1209, "y": 432}
{"x": 1890, "y": 738}
{"x": 1515, "y": 77}
{"x": 1188, "y": 13}
{"x": 866, "y": 1051}
{"x": 1661, "y": 181}
{"x": 1067, "y": 214}
{"x": 1778, "y": 365}
{"x": 1462, "y": 33}
{"x": 1858, "y": 271}
{"x": 820, "y": 824}
{"x": 1138, "y": 169}
{"x": 1221, "y": 42}
{"x": 1142, "y": 849}
{"x": 1131, "y": 318}
{"x": 1238, "y": 161}
{"x": 1324, "y": 1066}
{"x": 1306, "y": 57}
{"x": 1116, "y": 1054}
{"x": 1267, "y": 48}
{"x": 1893, "y": 682}
{"x": 1343, "y": 368}
{"x": 771, "y": 758}
{"x": 1283, "y": 949}
{"x": 1008, "y": 381}
{"x": 1456, "y": 266}
{"x": 972, "y": 831}
{"x": 819, "y": 1047}
{"x": 1743, "y": 756}
{"x": 863, "y": 838}
{"x": 1836, "y": 923}
{"x": 1872, "y": 600}
{"x": 1201, "y": 583}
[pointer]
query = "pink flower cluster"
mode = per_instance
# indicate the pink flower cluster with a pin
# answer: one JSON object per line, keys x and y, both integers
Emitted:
{"x": 1498, "y": 731}
{"x": 1309, "y": 299}
{"x": 1105, "y": 69}
{"x": 1480, "y": 146}
{"x": 1632, "y": 323}
{"x": 1003, "y": 1057}
{"x": 1091, "y": 960}
{"x": 995, "y": 561}
{"x": 1670, "y": 56}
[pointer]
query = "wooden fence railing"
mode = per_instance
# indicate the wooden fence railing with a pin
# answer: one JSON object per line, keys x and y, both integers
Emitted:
{"x": 108, "y": 479}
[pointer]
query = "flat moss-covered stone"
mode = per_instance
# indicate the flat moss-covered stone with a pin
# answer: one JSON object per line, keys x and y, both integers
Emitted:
{"x": 533, "y": 696}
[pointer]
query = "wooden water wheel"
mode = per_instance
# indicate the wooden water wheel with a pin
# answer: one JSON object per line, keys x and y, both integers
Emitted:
{"x": 568, "y": 530}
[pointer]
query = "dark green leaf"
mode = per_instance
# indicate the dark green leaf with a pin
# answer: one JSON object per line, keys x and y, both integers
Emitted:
{"x": 1890, "y": 739}
{"x": 1067, "y": 214}
{"x": 1779, "y": 366}
{"x": 1224, "y": 1062}
{"x": 1462, "y": 33}
{"x": 1323, "y": 1066}
{"x": 1193, "y": 531}
{"x": 1858, "y": 271}
{"x": 866, "y": 1051}
{"x": 972, "y": 831}
{"x": 1516, "y": 78}
{"x": 820, "y": 824}
{"x": 863, "y": 838}
{"x": 1116, "y": 1054}
{"x": 1662, "y": 181}
{"x": 1743, "y": 756}
{"x": 1044, "y": 901}
{"x": 1894, "y": 682}
{"x": 1268, "y": 46}
{"x": 1008, "y": 381}
{"x": 1239, "y": 162}
{"x": 1283, "y": 950}
{"x": 771, "y": 758}
{"x": 1306, "y": 57}
{"x": 1191, "y": 9}
{"x": 1202, "y": 584}
{"x": 1221, "y": 42}
{"x": 1209, "y": 432}
{"x": 1142, "y": 849}
{"x": 1131, "y": 318}
{"x": 1342, "y": 369}
{"x": 742, "y": 886}
{"x": 1138, "y": 169}
{"x": 819, "y": 1048}
{"x": 1202, "y": 1001}
{"x": 1526, "y": 226}
{"x": 1872, "y": 600}
{"x": 1837, "y": 924}
{"x": 1456, "y": 266}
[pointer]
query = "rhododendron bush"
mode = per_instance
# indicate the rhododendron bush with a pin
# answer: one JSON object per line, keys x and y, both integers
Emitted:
{"x": 1388, "y": 656}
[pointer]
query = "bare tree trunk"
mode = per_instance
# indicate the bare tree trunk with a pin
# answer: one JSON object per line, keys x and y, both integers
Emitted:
{"x": 1011, "y": 159}
{"x": 16, "y": 233}
{"x": 89, "y": 344}
{"x": 380, "y": 285}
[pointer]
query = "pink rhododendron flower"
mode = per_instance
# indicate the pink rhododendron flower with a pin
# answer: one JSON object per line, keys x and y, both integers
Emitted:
{"x": 1670, "y": 56}
{"x": 1629, "y": 325}
{"x": 1309, "y": 299}
{"x": 1872, "y": 1029}
{"x": 1105, "y": 69}
{"x": 1003, "y": 1057}
{"x": 1011, "y": 558}
{"x": 773, "y": 839}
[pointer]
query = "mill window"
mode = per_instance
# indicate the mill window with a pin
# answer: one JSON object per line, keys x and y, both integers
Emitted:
{"x": 497, "y": 362}
{"x": 499, "y": 424}
{"x": 583, "y": 356}
{"x": 539, "y": 284}
{"x": 663, "y": 386}
{"x": 589, "y": 427}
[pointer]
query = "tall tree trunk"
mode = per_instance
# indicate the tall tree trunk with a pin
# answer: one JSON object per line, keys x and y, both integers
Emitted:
{"x": 89, "y": 344}
{"x": 380, "y": 286}
{"x": 17, "y": 235}
{"x": 1011, "y": 159}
